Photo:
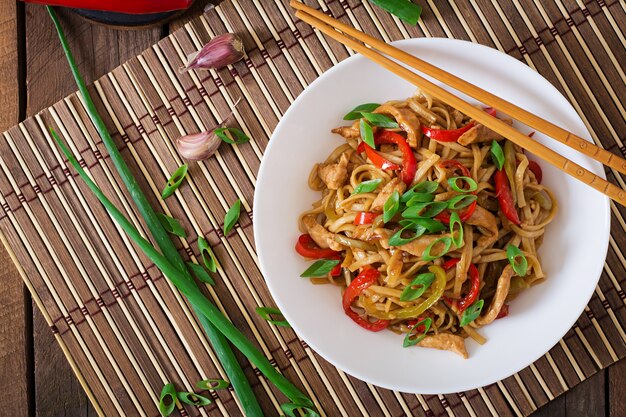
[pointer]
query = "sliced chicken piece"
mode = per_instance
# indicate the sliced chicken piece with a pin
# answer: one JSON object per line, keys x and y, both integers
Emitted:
{"x": 502, "y": 290}
{"x": 365, "y": 233}
{"x": 407, "y": 120}
{"x": 348, "y": 132}
{"x": 445, "y": 341}
{"x": 394, "y": 185}
{"x": 480, "y": 133}
{"x": 419, "y": 245}
{"x": 334, "y": 175}
{"x": 486, "y": 222}
{"x": 320, "y": 235}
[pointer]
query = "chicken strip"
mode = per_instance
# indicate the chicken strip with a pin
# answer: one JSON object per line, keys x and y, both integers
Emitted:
{"x": 407, "y": 120}
{"x": 334, "y": 175}
{"x": 486, "y": 222}
{"x": 320, "y": 235}
{"x": 445, "y": 341}
{"x": 395, "y": 184}
{"x": 502, "y": 290}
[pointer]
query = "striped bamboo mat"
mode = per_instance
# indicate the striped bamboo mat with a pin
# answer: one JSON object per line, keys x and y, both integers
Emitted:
{"x": 123, "y": 328}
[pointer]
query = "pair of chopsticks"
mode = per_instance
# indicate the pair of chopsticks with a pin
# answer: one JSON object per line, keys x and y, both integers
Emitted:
{"x": 358, "y": 41}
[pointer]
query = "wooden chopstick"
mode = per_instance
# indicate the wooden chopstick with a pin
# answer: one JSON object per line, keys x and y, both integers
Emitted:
{"x": 311, "y": 16}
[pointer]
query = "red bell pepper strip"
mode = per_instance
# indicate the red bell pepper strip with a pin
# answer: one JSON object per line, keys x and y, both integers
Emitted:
{"x": 536, "y": 169}
{"x": 505, "y": 198}
{"x": 309, "y": 249}
{"x": 443, "y": 135}
{"x": 375, "y": 157}
{"x": 120, "y": 6}
{"x": 409, "y": 163}
{"x": 365, "y": 217}
{"x": 366, "y": 278}
{"x": 504, "y": 311}
{"x": 471, "y": 296}
{"x": 413, "y": 322}
{"x": 490, "y": 111}
{"x": 336, "y": 271}
{"x": 466, "y": 213}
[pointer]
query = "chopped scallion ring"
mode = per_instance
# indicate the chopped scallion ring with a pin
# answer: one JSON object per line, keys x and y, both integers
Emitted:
{"x": 231, "y": 217}
{"x": 367, "y": 186}
{"x": 167, "y": 400}
{"x": 454, "y": 184}
{"x": 236, "y": 137}
{"x": 414, "y": 336}
{"x": 199, "y": 272}
{"x": 208, "y": 257}
{"x": 391, "y": 207}
{"x": 456, "y": 220}
{"x": 497, "y": 154}
{"x": 517, "y": 260}
{"x": 267, "y": 312}
{"x": 193, "y": 399}
{"x": 446, "y": 241}
{"x": 420, "y": 198}
{"x": 356, "y": 112}
{"x": 461, "y": 201}
{"x": 425, "y": 210}
{"x": 212, "y": 384}
{"x": 471, "y": 313}
{"x": 417, "y": 287}
{"x": 175, "y": 180}
{"x": 425, "y": 187}
{"x": 397, "y": 240}
{"x": 290, "y": 410}
{"x": 380, "y": 120}
{"x": 171, "y": 225}
{"x": 367, "y": 134}
{"x": 320, "y": 268}
{"x": 432, "y": 226}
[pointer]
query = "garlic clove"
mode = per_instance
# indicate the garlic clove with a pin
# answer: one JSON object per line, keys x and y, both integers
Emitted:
{"x": 198, "y": 146}
{"x": 221, "y": 51}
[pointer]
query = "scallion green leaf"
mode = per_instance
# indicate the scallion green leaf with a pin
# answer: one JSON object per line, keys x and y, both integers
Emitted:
{"x": 391, "y": 206}
{"x": 456, "y": 220}
{"x": 175, "y": 180}
{"x": 171, "y": 225}
{"x": 266, "y": 313}
{"x": 367, "y": 186}
{"x": 231, "y": 217}
{"x": 208, "y": 257}
{"x": 290, "y": 410}
{"x": 471, "y": 313}
{"x": 461, "y": 201}
{"x": 405, "y": 10}
{"x": 167, "y": 400}
{"x": 425, "y": 187}
{"x": 414, "y": 336}
{"x": 380, "y": 120}
{"x": 447, "y": 242}
{"x": 237, "y": 137}
{"x": 193, "y": 399}
{"x": 355, "y": 113}
{"x": 212, "y": 384}
{"x": 424, "y": 210}
{"x": 471, "y": 184}
{"x": 517, "y": 260}
{"x": 417, "y": 287}
{"x": 367, "y": 134}
{"x": 199, "y": 272}
{"x": 320, "y": 268}
{"x": 497, "y": 154}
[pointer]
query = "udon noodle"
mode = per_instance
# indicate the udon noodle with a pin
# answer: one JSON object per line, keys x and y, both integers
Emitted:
{"x": 422, "y": 231}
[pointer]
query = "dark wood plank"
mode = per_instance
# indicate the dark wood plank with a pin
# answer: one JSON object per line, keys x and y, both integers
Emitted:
{"x": 97, "y": 50}
{"x": 617, "y": 389}
{"x": 588, "y": 398}
{"x": 14, "y": 304}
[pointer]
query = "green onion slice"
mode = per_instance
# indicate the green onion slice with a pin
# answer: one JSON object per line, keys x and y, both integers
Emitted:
{"x": 471, "y": 313}
{"x": 417, "y": 287}
{"x": 380, "y": 120}
{"x": 425, "y": 187}
{"x": 236, "y": 137}
{"x": 397, "y": 240}
{"x": 320, "y": 268}
{"x": 461, "y": 201}
{"x": 420, "y": 198}
{"x": 456, "y": 220}
{"x": 175, "y": 180}
{"x": 208, "y": 257}
{"x": 447, "y": 242}
{"x": 454, "y": 184}
{"x": 432, "y": 226}
{"x": 199, "y": 272}
{"x": 356, "y": 112}
{"x": 193, "y": 399}
{"x": 167, "y": 400}
{"x": 367, "y": 134}
{"x": 231, "y": 217}
{"x": 212, "y": 384}
{"x": 425, "y": 210}
{"x": 414, "y": 336}
{"x": 405, "y": 10}
{"x": 391, "y": 207}
{"x": 290, "y": 410}
{"x": 171, "y": 225}
{"x": 517, "y": 260}
{"x": 367, "y": 186}
{"x": 267, "y": 312}
{"x": 497, "y": 154}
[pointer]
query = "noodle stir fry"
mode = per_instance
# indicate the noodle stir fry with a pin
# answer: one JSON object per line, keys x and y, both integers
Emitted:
{"x": 428, "y": 221}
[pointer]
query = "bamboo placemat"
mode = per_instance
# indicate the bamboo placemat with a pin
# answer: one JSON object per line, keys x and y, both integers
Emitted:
{"x": 123, "y": 328}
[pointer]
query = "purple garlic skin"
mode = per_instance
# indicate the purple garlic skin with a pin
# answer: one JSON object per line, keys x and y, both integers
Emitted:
{"x": 221, "y": 51}
{"x": 198, "y": 146}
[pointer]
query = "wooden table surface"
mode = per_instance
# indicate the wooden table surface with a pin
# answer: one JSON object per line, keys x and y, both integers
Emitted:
{"x": 35, "y": 379}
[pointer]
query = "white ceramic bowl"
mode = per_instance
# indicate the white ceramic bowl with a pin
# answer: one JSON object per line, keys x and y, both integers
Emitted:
{"x": 572, "y": 254}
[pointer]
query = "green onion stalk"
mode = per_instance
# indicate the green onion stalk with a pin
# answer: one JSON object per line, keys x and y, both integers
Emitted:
{"x": 217, "y": 327}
